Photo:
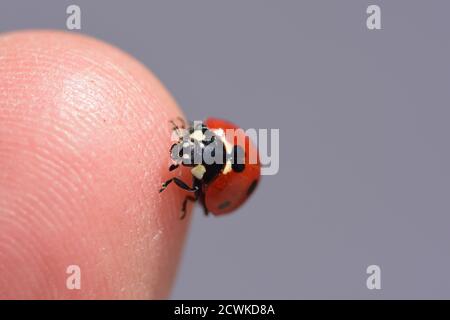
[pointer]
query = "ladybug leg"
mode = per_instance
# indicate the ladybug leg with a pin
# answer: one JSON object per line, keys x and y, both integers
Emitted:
{"x": 183, "y": 207}
{"x": 202, "y": 201}
{"x": 173, "y": 167}
{"x": 179, "y": 183}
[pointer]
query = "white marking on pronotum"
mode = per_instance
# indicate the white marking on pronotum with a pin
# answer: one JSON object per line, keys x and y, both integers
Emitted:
{"x": 228, "y": 148}
{"x": 198, "y": 171}
{"x": 227, "y": 167}
{"x": 197, "y": 135}
{"x": 221, "y": 134}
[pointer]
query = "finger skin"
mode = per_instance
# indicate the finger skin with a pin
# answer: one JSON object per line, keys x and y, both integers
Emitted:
{"x": 84, "y": 140}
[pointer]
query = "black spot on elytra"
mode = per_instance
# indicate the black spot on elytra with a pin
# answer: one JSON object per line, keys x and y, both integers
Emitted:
{"x": 252, "y": 187}
{"x": 238, "y": 167}
{"x": 224, "y": 204}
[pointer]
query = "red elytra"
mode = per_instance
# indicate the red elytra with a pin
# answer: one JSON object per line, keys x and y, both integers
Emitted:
{"x": 232, "y": 188}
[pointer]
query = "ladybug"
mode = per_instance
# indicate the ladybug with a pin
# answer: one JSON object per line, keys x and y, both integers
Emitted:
{"x": 224, "y": 164}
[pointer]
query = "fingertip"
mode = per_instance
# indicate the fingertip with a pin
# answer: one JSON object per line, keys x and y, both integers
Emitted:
{"x": 85, "y": 134}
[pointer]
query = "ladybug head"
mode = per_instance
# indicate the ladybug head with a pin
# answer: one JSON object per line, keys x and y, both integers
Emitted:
{"x": 198, "y": 145}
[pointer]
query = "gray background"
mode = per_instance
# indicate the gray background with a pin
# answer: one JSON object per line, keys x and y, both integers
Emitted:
{"x": 363, "y": 116}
